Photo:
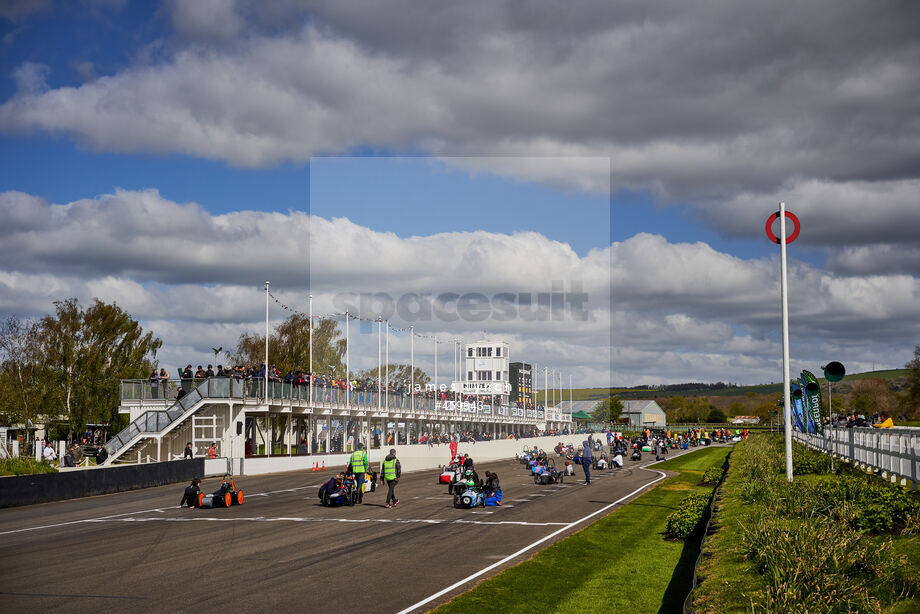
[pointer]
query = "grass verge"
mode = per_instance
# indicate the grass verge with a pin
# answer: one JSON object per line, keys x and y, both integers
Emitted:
{"x": 829, "y": 542}
{"x": 619, "y": 563}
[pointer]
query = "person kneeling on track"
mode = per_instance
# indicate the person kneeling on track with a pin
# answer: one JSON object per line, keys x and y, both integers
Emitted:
{"x": 191, "y": 493}
{"x": 390, "y": 472}
{"x": 332, "y": 485}
{"x": 618, "y": 460}
{"x": 493, "y": 489}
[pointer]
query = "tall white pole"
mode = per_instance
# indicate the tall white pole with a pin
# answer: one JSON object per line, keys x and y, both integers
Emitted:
{"x": 347, "y": 366}
{"x": 266, "y": 342}
{"x": 386, "y": 372}
{"x": 412, "y": 367}
{"x": 436, "y": 366}
{"x": 571, "y": 401}
{"x": 545, "y": 386}
{"x": 311, "y": 352}
{"x": 379, "y": 372}
{"x": 787, "y": 412}
{"x": 554, "y": 387}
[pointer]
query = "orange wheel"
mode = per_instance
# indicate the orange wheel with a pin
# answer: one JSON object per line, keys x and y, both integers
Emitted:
{"x": 200, "y": 498}
{"x": 239, "y": 497}
{"x": 227, "y": 499}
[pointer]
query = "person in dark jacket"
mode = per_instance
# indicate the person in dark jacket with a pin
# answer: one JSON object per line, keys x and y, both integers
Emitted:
{"x": 390, "y": 471}
{"x": 191, "y": 493}
{"x": 586, "y": 459}
{"x": 493, "y": 489}
{"x": 101, "y": 454}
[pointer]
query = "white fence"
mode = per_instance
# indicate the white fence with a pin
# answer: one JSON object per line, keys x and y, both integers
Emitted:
{"x": 894, "y": 453}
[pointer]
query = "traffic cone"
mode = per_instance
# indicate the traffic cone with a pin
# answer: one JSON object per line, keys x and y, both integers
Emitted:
{"x": 324, "y": 465}
{"x": 314, "y": 467}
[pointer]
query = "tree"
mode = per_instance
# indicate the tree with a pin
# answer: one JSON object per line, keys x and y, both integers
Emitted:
{"x": 83, "y": 354}
{"x": 20, "y": 388}
{"x": 608, "y": 410}
{"x": 716, "y": 416}
{"x": 289, "y": 347}
{"x": 912, "y": 389}
{"x": 871, "y": 395}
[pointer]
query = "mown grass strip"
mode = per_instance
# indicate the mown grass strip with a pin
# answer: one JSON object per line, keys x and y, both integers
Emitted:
{"x": 620, "y": 562}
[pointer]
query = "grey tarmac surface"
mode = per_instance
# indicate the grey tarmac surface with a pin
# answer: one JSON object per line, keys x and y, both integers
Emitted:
{"x": 282, "y": 550}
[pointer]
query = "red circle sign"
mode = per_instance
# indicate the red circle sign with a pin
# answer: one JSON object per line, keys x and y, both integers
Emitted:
{"x": 790, "y": 238}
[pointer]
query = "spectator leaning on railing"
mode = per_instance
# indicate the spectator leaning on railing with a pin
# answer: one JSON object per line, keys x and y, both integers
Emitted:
{"x": 885, "y": 421}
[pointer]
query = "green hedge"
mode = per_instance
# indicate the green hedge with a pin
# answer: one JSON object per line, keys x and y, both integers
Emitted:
{"x": 24, "y": 466}
{"x": 689, "y": 516}
{"x": 713, "y": 475}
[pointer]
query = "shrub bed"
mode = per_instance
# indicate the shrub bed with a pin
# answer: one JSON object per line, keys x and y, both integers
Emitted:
{"x": 688, "y": 518}
{"x": 24, "y": 465}
{"x": 829, "y": 542}
{"x": 712, "y": 476}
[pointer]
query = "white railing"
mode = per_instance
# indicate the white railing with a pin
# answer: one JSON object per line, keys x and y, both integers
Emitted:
{"x": 892, "y": 452}
{"x": 320, "y": 397}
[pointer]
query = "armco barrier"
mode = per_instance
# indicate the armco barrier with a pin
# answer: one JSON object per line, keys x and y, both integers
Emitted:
{"x": 42, "y": 488}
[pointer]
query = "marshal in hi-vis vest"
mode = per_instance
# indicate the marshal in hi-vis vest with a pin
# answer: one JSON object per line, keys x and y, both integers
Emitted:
{"x": 359, "y": 461}
{"x": 389, "y": 469}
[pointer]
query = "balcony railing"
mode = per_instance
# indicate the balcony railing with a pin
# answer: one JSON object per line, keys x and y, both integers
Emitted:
{"x": 320, "y": 397}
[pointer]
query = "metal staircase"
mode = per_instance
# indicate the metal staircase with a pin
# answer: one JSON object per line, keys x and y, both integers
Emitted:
{"x": 156, "y": 424}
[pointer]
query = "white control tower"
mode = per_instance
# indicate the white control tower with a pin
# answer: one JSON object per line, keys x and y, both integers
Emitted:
{"x": 486, "y": 367}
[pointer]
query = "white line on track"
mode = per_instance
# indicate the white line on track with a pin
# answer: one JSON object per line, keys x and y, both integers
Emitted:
{"x": 156, "y": 509}
{"x": 415, "y": 606}
{"x": 343, "y": 520}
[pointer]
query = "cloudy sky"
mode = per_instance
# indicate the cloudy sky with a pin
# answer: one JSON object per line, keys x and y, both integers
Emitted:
{"x": 173, "y": 156}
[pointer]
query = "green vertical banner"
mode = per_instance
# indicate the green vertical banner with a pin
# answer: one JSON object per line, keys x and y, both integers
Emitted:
{"x": 813, "y": 403}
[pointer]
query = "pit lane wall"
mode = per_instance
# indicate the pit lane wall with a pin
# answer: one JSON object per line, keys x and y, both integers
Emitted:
{"x": 19, "y": 490}
{"x": 411, "y": 457}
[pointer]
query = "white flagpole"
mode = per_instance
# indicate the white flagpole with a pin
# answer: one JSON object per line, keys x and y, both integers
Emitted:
{"x": 436, "y": 368}
{"x": 412, "y": 367}
{"x": 386, "y": 373}
{"x": 266, "y": 342}
{"x": 347, "y": 366}
{"x": 787, "y": 412}
{"x": 379, "y": 373}
{"x": 311, "y": 351}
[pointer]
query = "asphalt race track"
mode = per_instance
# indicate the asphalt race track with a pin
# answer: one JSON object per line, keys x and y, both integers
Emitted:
{"x": 282, "y": 550}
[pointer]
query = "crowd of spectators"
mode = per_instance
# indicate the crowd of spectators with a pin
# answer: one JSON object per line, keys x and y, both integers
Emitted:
{"x": 854, "y": 420}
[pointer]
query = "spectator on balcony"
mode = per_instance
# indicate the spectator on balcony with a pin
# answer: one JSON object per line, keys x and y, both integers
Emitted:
{"x": 200, "y": 374}
{"x": 209, "y": 372}
{"x": 154, "y": 385}
{"x": 187, "y": 376}
{"x": 101, "y": 454}
{"x": 212, "y": 451}
{"x": 181, "y": 392}
{"x": 164, "y": 382}
{"x": 189, "y": 453}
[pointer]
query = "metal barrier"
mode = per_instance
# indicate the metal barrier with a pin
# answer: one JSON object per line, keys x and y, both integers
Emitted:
{"x": 321, "y": 397}
{"x": 156, "y": 420}
{"x": 892, "y": 452}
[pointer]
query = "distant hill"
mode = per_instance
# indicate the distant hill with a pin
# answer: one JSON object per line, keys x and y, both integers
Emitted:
{"x": 709, "y": 390}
